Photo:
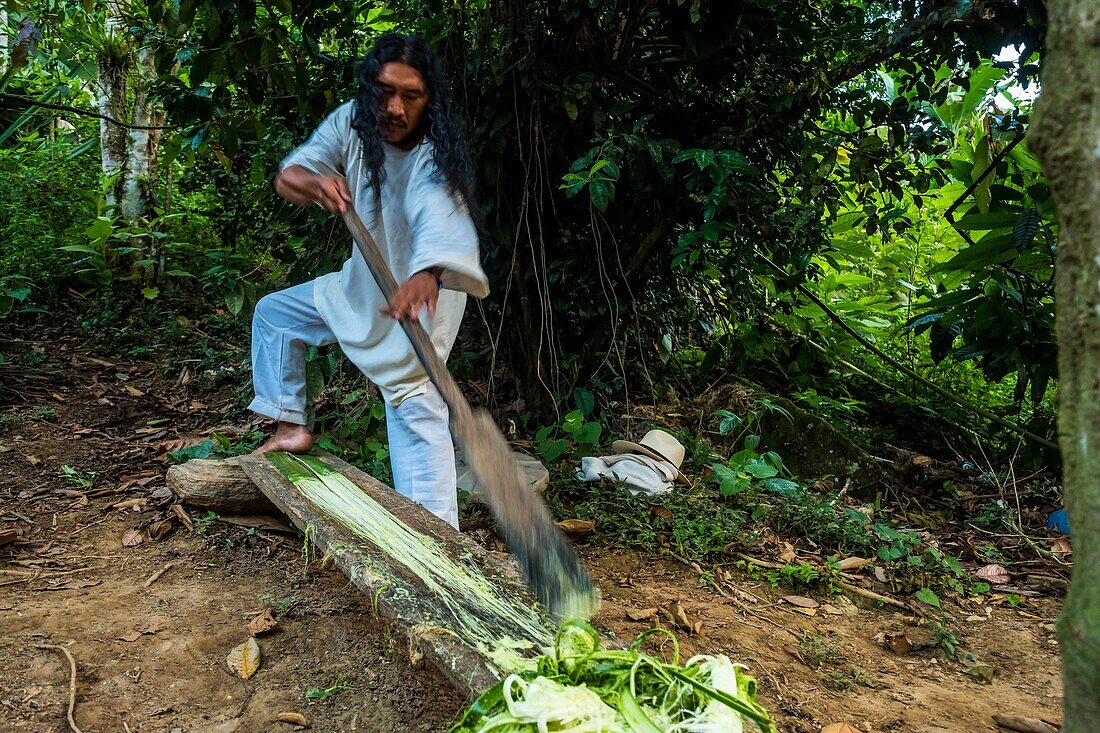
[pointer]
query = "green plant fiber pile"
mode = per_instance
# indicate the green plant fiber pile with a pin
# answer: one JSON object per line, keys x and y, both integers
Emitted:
{"x": 580, "y": 687}
{"x": 468, "y": 604}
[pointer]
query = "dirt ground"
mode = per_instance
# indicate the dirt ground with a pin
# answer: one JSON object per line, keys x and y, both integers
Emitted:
{"x": 151, "y": 655}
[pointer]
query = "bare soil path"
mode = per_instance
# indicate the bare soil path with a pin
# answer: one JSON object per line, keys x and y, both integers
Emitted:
{"x": 151, "y": 658}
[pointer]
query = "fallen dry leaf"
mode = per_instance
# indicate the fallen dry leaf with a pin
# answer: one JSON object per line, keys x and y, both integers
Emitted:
{"x": 245, "y": 659}
{"x": 170, "y": 446}
{"x": 831, "y": 610}
{"x": 794, "y": 653}
{"x": 880, "y": 574}
{"x": 981, "y": 673}
{"x": 801, "y": 601}
{"x": 853, "y": 563}
{"x": 577, "y": 529}
{"x": 130, "y": 636}
{"x": 804, "y": 611}
{"x": 898, "y": 643}
{"x": 788, "y": 555}
{"x": 132, "y": 538}
{"x": 295, "y": 718}
{"x": 661, "y": 511}
{"x": 994, "y": 574}
{"x": 133, "y": 390}
{"x": 642, "y": 615}
{"x": 677, "y": 615}
{"x": 159, "y": 530}
{"x": 1061, "y": 548}
{"x": 265, "y": 621}
{"x": 138, "y": 505}
{"x": 180, "y": 512}
{"x": 840, "y": 728}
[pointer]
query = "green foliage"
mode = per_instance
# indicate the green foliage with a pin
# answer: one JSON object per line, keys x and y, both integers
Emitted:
{"x": 791, "y": 575}
{"x": 314, "y": 694}
{"x": 218, "y": 446}
{"x": 582, "y": 436}
{"x": 81, "y": 479}
{"x": 43, "y": 208}
{"x": 747, "y": 466}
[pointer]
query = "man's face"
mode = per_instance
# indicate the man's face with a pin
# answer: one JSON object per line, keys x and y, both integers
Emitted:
{"x": 404, "y": 101}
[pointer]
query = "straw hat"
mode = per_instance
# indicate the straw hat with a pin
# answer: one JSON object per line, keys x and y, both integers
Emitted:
{"x": 659, "y": 445}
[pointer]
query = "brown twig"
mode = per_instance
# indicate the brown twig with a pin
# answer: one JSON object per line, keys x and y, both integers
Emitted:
{"x": 156, "y": 576}
{"x": 869, "y": 594}
{"x": 20, "y": 580}
{"x": 72, "y": 681}
{"x": 87, "y": 113}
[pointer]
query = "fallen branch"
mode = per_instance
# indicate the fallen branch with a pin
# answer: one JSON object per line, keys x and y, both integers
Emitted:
{"x": 72, "y": 681}
{"x": 869, "y": 594}
{"x": 87, "y": 113}
{"x": 156, "y": 576}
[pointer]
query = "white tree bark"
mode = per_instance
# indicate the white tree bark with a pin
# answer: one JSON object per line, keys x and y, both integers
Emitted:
{"x": 141, "y": 159}
{"x": 111, "y": 96}
{"x": 5, "y": 39}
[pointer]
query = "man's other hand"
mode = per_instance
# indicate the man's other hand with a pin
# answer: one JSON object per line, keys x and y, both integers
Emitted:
{"x": 420, "y": 290}
{"x": 301, "y": 186}
{"x": 332, "y": 194}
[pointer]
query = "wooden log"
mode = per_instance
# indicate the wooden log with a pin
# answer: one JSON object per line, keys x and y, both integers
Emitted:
{"x": 221, "y": 486}
{"x": 397, "y": 595}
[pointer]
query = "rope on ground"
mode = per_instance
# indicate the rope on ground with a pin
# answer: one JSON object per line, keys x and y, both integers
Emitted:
{"x": 72, "y": 681}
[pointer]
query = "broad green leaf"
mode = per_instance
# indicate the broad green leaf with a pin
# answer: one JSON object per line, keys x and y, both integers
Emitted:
{"x": 573, "y": 422}
{"x": 987, "y": 251}
{"x": 1025, "y": 228}
{"x": 981, "y": 222}
{"x": 927, "y": 595}
{"x": 83, "y": 248}
{"x": 584, "y": 400}
{"x": 589, "y": 433}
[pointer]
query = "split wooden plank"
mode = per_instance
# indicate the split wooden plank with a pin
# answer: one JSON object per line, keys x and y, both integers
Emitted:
{"x": 397, "y": 595}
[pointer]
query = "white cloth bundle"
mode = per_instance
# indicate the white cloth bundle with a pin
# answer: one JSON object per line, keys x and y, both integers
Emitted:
{"x": 641, "y": 474}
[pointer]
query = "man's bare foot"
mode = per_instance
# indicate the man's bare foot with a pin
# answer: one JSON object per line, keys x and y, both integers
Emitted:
{"x": 291, "y": 437}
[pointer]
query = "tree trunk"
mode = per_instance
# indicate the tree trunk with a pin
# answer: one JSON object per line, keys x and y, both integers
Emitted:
{"x": 141, "y": 160}
{"x": 1066, "y": 134}
{"x": 139, "y": 193}
{"x": 113, "y": 67}
{"x": 4, "y": 39}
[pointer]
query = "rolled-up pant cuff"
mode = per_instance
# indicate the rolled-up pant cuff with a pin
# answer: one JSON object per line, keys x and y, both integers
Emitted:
{"x": 269, "y": 409}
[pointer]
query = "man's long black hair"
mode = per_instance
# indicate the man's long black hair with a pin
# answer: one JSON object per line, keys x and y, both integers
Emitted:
{"x": 440, "y": 125}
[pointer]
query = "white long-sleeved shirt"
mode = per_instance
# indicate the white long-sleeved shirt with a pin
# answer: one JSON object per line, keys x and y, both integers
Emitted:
{"x": 420, "y": 226}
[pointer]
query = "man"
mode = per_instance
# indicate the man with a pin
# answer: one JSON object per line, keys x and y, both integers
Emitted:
{"x": 397, "y": 155}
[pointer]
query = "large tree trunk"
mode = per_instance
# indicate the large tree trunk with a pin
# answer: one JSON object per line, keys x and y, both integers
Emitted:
{"x": 1067, "y": 138}
{"x": 139, "y": 193}
{"x": 141, "y": 159}
{"x": 4, "y": 39}
{"x": 113, "y": 68}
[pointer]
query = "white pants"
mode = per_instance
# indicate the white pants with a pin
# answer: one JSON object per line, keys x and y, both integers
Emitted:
{"x": 422, "y": 455}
